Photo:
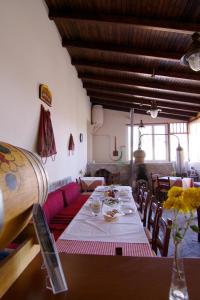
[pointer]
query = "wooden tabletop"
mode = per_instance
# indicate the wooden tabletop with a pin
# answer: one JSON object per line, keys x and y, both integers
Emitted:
{"x": 92, "y": 277}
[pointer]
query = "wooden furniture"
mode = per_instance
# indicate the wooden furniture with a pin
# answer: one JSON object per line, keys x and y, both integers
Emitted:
{"x": 105, "y": 277}
{"x": 163, "y": 186}
{"x": 153, "y": 182}
{"x": 155, "y": 212}
{"x": 110, "y": 178}
{"x": 23, "y": 182}
{"x": 145, "y": 200}
{"x": 163, "y": 236}
{"x": 198, "y": 218}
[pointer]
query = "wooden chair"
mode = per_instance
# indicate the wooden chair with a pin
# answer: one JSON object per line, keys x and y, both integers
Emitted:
{"x": 139, "y": 197}
{"x": 141, "y": 185}
{"x": 163, "y": 186}
{"x": 114, "y": 178}
{"x": 155, "y": 212}
{"x": 145, "y": 200}
{"x": 110, "y": 178}
{"x": 198, "y": 219}
{"x": 163, "y": 236}
{"x": 154, "y": 182}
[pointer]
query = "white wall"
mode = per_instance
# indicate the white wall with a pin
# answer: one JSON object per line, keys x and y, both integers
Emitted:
{"x": 115, "y": 125}
{"x": 30, "y": 54}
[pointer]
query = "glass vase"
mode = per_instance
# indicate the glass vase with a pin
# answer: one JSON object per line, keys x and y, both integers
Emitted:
{"x": 178, "y": 287}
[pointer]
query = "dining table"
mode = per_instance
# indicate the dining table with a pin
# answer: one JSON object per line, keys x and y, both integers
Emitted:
{"x": 174, "y": 180}
{"x": 93, "y": 234}
{"x": 184, "y": 182}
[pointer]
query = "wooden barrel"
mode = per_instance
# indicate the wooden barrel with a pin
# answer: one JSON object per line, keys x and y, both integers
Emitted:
{"x": 23, "y": 181}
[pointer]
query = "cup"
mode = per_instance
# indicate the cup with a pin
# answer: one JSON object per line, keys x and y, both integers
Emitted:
{"x": 95, "y": 206}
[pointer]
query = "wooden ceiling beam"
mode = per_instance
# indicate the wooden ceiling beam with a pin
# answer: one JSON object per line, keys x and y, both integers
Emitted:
{"x": 143, "y": 93}
{"x": 134, "y": 70}
{"x": 115, "y": 106}
{"x": 154, "y": 54}
{"x": 141, "y": 83}
{"x": 143, "y": 107}
{"x": 143, "y": 23}
{"x": 191, "y": 110}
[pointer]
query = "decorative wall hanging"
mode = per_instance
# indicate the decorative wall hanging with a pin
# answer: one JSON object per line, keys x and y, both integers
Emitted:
{"x": 81, "y": 137}
{"x": 45, "y": 94}
{"x": 115, "y": 152}
{"x": 71, "y": 145}
{"x": 46, "y": 143}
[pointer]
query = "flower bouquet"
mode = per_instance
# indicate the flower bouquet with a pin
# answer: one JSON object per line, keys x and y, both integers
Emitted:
{"x": 185, "y": 202}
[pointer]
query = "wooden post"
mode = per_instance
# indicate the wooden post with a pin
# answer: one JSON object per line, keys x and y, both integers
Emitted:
{"x": 131, "y": 149}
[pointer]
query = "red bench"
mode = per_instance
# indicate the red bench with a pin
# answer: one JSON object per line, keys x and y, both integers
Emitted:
{"x": 62, "y": 205}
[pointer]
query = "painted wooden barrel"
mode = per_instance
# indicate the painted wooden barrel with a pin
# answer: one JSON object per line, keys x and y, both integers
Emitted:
{"x": 23, "y": 182}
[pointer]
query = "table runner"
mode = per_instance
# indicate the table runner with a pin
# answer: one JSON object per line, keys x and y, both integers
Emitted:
{"x": 103, "y": 248}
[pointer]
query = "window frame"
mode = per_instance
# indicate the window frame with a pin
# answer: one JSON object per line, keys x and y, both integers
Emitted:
{"x": 167, "y": 141}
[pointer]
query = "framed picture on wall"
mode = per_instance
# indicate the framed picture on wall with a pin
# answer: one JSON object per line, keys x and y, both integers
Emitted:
{"x": 45, "y": 94}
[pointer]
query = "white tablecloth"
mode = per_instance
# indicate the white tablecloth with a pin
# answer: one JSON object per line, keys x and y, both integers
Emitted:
{"x": 89, "y": 180}
{"x": 86, "y": 227}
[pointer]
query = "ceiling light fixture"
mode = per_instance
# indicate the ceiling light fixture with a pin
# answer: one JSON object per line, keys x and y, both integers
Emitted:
{"x": 192, "y": 56}
{"x": 154, "y": 110}
{"x": 141, "y": 125}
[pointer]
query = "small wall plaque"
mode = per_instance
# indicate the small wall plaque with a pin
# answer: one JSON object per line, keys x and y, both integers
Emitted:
{"x": 45, "y": 94}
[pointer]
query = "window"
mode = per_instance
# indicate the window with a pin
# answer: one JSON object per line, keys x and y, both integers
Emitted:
{"x": 155, "y": 140}
{"x": 179, "y": 133}
{"x": 154, "y": 145}
{"x": 194, "y": 140}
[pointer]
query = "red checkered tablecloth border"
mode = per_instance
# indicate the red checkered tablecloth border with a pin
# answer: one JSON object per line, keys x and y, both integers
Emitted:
{"x": 103, "y": 248}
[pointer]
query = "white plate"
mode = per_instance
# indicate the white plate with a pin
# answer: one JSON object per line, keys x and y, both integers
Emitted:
{"x": 127, "y": 210}
{"x": 111, "y": 201}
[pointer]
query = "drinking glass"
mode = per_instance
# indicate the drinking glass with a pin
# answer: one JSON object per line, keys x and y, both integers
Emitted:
{"x": 96, "y": 206}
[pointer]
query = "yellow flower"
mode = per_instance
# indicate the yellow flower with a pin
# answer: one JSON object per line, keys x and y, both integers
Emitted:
{"x": 191, "y": 197}
{"x": 175, "y": 200}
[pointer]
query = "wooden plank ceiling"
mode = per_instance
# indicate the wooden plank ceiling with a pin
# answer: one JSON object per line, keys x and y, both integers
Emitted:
{"x": 127, "y": 53}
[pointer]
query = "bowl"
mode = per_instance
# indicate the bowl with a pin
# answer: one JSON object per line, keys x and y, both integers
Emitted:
{"x": 111, "y": 215}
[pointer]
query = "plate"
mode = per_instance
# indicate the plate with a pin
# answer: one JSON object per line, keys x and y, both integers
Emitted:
{"x": 111, "y": 201}
{"x": 127, "y": 210}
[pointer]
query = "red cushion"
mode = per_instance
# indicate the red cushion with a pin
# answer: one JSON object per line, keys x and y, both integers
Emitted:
{"x": 60, "y": 227}
{"x": 69, "y": 212}
{"x": 53, "y": 204}
{"x": 71, "y": 192}
{"x": 61, "y": 219}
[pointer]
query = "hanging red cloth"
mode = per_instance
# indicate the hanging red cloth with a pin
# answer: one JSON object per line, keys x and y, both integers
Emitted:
{"x": 71, "y": 145}
{"x": 46, "y": 143}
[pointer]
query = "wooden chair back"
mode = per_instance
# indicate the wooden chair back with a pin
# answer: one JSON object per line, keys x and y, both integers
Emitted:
{"x": 154, "y": 182}
{"x": 114, "y": 178}
{"x": 139, "y": 197}
{"x": 163, "y": 236}
{"x": 163, "y": 186}
{"x": 155, "y": 213}
{"x": 144, "y": 206}
{"x": 110, "y": 178}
